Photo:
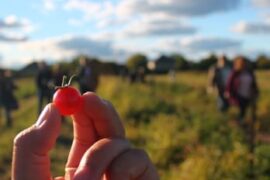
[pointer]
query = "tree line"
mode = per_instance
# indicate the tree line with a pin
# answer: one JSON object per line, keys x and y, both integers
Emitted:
{"x": 180, "y": 63}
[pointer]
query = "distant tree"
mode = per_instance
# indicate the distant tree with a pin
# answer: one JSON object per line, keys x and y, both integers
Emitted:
{"x": 180, "y": 62}
{"x": 76, "y": 60}
{"x": 110, "y": 68}
{"x": 67, "y": 67}
{"x": 206, "y": 63}
{"x": 263, "y": 62}
{"x": 136, "y": 61}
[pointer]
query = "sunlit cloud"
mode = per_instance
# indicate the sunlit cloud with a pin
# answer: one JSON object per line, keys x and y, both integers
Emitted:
{"x": 59, "y": 48}
{"x": 198, "y": 43}
{"x": 13, "y": 38}
{"x": 261, "y": 3}
{"x": 252, "y": 27}
{"x": 12, "y": 21}
{"x": 86, "y": 45}
{"x": 89, "y": 9}
{"x": 176, "y": 7}
{"x": 209, "y": 43}
{"x": 108, "y": 13}
{"x": 49, "y": 5}
{"x": 193, "y": 47}
{"x": 75, "y": 22}
{"x": 14, "y": 29}
{"x": 158, "y": 27}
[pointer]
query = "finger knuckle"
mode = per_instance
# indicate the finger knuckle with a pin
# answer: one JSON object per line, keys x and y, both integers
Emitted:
{"x": 24, "y": 137}
{"x": 91, "y": 96}
{"x": 140, "y": 153}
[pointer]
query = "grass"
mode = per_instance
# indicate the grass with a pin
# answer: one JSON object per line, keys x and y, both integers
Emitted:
{"x": 175, "y": 122}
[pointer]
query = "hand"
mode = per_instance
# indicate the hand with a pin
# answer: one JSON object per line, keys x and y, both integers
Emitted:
{"x": 99, "y": 149}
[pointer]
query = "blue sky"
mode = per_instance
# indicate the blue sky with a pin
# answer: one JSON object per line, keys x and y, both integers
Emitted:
{"x": 55, "y": 30}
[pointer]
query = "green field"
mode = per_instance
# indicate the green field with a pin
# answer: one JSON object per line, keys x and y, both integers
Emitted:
{"x": 175, "y": 122}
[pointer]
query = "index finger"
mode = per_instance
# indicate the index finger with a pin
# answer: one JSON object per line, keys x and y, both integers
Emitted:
{"x": 105, "y": 119}
{"x": 97, "y": 119}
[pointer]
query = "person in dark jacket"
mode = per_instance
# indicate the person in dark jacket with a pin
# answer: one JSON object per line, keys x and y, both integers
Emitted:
{"x": 242, "y": 87}
{"x": 87, "y": 76}
{"x": 8, "y": 99}
{"x": 218, "y": 77}
{"x": 57, "y": 75}
{"x": 44, "y": 84}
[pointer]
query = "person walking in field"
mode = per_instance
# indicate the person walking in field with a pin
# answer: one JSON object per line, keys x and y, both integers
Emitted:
{"x": 43, "y": 83}
{"x": 87, "y": 76}
{"x": 218, "y": 77}
{"x": 8, "y": 99}
{"x": 242, "y": 87}
{"x": 57, "y": 75}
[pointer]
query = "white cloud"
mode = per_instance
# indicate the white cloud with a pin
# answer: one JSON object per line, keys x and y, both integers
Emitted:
{"x": 266, "y": 16}
{"x": 111, "y": 22}
{"x": 49, "y": 5}
{"x": 14, "y": 29}
{"x": 261, "y": 3}
{"x": 106, "y": 13}
{"x": 13, "y": 21}
{"x": 105, "y": 36}
{"x": 101, "y": 13}
{"x": 54, "y": 49}
{"x": 10, "y": 21}
{"x": 86, "y": 45}
{"x": 194, "y": 47}
{"x": 42, "y": 49}
{"x": 75, "y": 22}
{"x": 198, "y": 43}
{"x": 158, "y": 27}
{"x": 89, "y": 9}
{"x": 12, "y": 38}
{"x": 176, "y": 7}
{"x": 198, "y": 46}
{"x": 209, "y": 44}
{"x": 252, "y": 27}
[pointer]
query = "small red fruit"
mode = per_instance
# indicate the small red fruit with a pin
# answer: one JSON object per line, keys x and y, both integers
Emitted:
{"x": 67, "y": 99}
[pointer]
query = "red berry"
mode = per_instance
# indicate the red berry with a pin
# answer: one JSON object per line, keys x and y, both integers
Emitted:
{"x": 68, "y": 100}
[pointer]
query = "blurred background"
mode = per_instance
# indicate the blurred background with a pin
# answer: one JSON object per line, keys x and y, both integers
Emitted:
{"x": 189, "y": 78}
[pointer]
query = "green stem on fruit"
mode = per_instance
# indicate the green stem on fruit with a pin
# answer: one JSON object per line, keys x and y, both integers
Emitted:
{"x": 64, "y": 84}
{"x": 71, "y": 78}
{"x": 64, "y": 80}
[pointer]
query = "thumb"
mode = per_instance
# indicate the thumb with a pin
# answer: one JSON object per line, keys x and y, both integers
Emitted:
{"x": 48, "y": 129}
{"x": 41, "y": 137}
{"x": 31, "y": 146}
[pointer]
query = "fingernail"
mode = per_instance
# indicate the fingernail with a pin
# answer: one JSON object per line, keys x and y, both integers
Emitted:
{"x": 43, "y": 116}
